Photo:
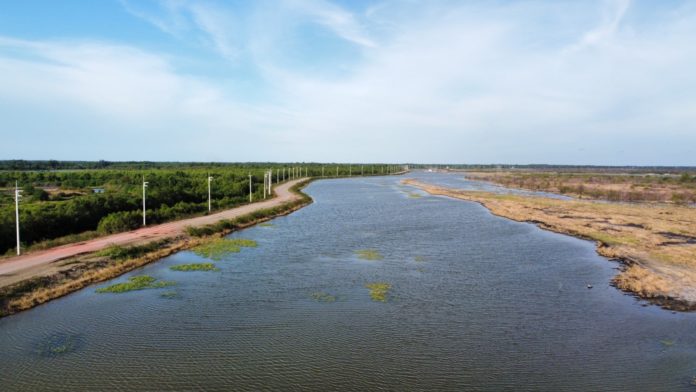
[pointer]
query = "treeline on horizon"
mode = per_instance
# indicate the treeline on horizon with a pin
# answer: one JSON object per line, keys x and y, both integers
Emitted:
{"x": 95, "y": 201}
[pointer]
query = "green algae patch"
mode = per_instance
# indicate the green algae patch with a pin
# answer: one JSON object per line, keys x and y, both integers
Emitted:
{"x": 218, "y": 248}
{"x": 194, "y": 267}
{"x": 379, "y": 291}
{"x": 414, "y": 195}
{"x": 419, "y": 259}
{"x": 135, "y": 283}
{"x": 323, "y": 297}
{"x": 369, "y": 254}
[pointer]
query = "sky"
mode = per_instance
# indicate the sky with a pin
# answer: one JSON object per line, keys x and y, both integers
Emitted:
{"x": 604, "y": 82}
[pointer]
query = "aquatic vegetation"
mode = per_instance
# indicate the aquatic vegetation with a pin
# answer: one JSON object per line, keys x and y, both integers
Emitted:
{"x": 323, "y": 297}
{"x": 194, "y": 267}
{"x": 667, "y": 342}
{"x": 141, "y": 282}
{"x": 266, "y": 224}
{"x": 216, "y": 249}
{"x": 379, "y": 291}
{"x": 59, "y": 344}
{"x": 414, "y": 195}
{"x": 243, "y": 242}
{"x": 369, "y": 254}
{"x": 169, "y": 294}
{"x": 419, "y": 259}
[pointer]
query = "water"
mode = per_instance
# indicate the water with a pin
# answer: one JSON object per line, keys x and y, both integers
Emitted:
{"x": 491, "y": 305}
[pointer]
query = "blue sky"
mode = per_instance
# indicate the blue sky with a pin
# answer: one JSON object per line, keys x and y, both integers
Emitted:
{"x": 567, "y": 82}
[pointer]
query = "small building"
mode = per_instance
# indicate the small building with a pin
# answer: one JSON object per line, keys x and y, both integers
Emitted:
{"x": 97, "y": 190}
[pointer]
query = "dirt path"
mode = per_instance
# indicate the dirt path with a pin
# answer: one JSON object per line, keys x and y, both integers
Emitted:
{"x": 35, "y": 261}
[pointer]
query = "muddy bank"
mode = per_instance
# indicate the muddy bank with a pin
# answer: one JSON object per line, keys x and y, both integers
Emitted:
{"x": 653, "y": 242}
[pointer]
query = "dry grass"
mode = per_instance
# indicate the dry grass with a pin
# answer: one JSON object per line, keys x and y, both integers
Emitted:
{"x": 659, "y": 241}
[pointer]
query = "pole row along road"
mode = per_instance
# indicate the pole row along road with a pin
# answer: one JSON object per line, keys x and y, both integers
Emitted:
{"x": 14, "y": 265}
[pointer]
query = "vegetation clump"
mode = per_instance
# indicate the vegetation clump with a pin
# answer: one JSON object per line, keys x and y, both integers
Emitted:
{"x": 141, "y": 282}
{"x": 266, "y": 224}
{"x": 379, "y": 291}
{"x": 414, "y": 195}
{"x": 369, "y": 254}
{"x": 419, "y": 259}
{"x": 323, "y": 297}
{"x": 194, "y": 267}
{"x": 218, "y": 248}
{"x": 59, "y": 344}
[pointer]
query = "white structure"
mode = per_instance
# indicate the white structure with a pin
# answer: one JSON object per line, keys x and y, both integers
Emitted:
{"x": 18, "y": 195}
{"x": 250, "y": 198}
{"x": 270, "y": 182}
{"x": 210, "y": 178}
{"x": 144, "y": 213}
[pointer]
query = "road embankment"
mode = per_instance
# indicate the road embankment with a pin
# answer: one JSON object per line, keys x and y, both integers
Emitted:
{"x": 655, "y": 243}
{"x": 30, "y": 280}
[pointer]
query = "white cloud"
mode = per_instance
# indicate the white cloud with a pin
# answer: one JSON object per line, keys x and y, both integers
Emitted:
{"x": 472, "y": 82}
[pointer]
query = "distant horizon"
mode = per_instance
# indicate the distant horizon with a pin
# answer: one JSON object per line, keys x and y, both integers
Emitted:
{"x": 349, "y": 163}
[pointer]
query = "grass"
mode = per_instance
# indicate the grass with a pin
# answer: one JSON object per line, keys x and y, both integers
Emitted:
{"x": 216, "y": 249}
{"x": 323, "y": 297}
{"x": 134, "y": 283}
{"x": 195, "y": 267}
{"x": 379, "y": 291}
{"x": 369, "y": 254}
{"x": 266, "y": 224}
{"x": 117, "y": 252}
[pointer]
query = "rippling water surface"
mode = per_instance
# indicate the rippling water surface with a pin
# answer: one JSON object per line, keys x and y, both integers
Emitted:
{"x": 477, "y": 303}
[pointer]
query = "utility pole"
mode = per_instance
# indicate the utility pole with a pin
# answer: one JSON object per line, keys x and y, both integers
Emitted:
{"x": 270, "y": 182}
{"x": 144, "y": 213}
{"x": 322, "y": 171}
{"x": 250, "y": 199}
{"x": 336, "y": 171}
{"x": 361, "y": 169}
{"x": 265, "y": 183}
{"x": 350, "y": 170}
{"x": 210, "y": 178}
{"x": 18, "y": 195}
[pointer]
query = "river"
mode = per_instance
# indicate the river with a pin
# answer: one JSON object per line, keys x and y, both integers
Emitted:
{"x": 477, "y": 302}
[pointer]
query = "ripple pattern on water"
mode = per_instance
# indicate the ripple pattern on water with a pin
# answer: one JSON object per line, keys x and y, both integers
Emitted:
{"x": 477, "y": 302}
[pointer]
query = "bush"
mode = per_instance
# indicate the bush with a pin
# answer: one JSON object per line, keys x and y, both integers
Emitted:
{"x": 117, "y": 222}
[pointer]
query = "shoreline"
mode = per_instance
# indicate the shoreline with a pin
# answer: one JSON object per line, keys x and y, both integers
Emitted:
{"x": 86, "y": 269}
{"x": 641, "y": 275}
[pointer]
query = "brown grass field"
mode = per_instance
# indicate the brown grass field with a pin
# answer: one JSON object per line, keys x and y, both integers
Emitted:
{"x": 656, "y": 242}
{"x": 628, "y": 187}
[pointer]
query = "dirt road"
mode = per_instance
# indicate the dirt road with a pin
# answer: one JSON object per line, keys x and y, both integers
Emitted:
{"x": 19, "y": 264}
